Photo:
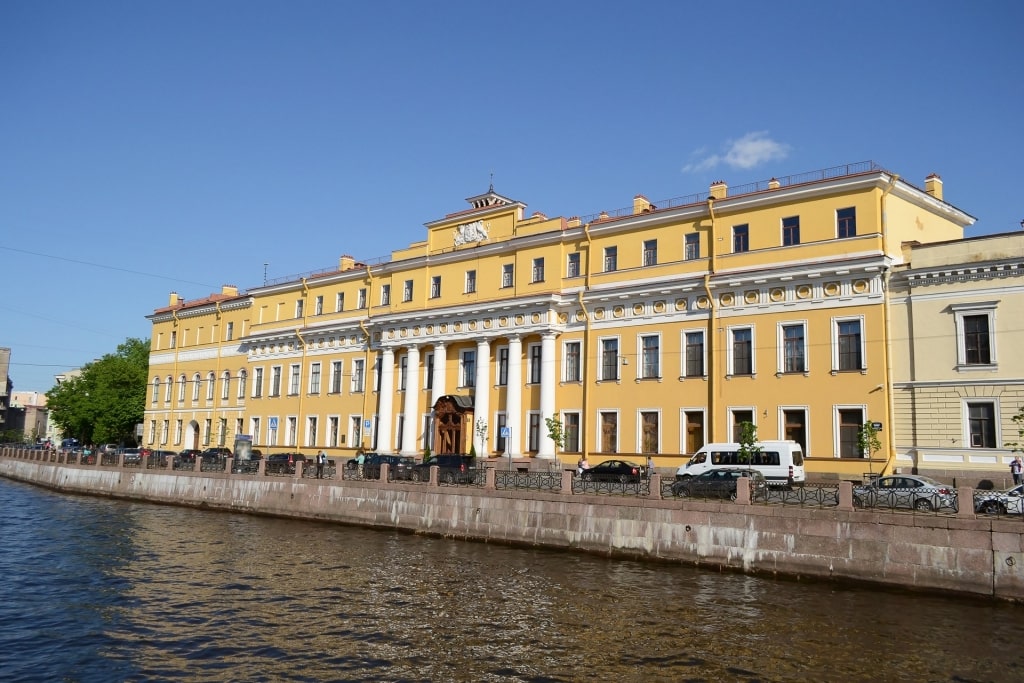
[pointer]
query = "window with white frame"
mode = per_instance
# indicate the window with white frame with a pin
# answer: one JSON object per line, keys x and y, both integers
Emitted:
{"x": 385, "y": 295}
{"x": 318, "y": 306}
{"x": 156, "y": 389}
{"x": 738, "y": 417}
{"x": 435, "y": 287}
{"x": 311, "y": 427}
{"x": 339, "y": 302}
{"x": 691, "y": 246}
{"x": 507, "y": 272}
{"x": 608, "y": 422}
{"x": 275, "y": 380}
{"x": 846, "y": 222}
{"x": 299, "y": 307}
{"x": 225, "y": 385}
{"x": 502, "y": 355}
{"x": 650, "y": 432}
{"x": 314, "y": 378}
{"x": 741, "y": 353}
{"x": 229, "y": 332}
{"x": 470, "y": 281}
{"x": 848, "y": 344}
{"x": 793, "y": 347}
{"x": 181, "y": 389}
{"x": 975, "y": 338}
{"x": 650, "y": 356}
{"x": 196, "y": 383}
{"x": 361, "y": 298}
{"x": 257, "y": 384}
{"x": 355, "y": 427}
{"x": 573, "y": 368}
{"x": 243, "y": 376}
{"x": 174, "y": 339}
{"x": 336, "y": 375}
{"x": 981, "y": 424}
{"x": 572, "y": 268}
{"x": 693, "y": 363}
{"x": 167, "y": 391}
{"x": 428, "y": 371}
{"x": 740, "y": 238}
{"x": 609, "y": 359}
{"x": 533, "y": 353}
{"x": 538, "y": 270}
{"x": 791, "y": 231}
{"x": 407, "y": 291}
{"x": 222, "y": 431}
{"x": 254, "y": 429}
{"x": 179, "y": 429}
{"x": 571, "y": 430}
{"x": 293, "y": 431}
{"x": 378, "y": 368}
{"x": 650, "y": 253}
{"x": 165, "y": 431}
{"x": 849, "y": 422}
{"x": 293, "y": 379}
{"x": 403, "y": 372}
{"x": 467, "y": 360}
{"x": 333, "y": 429}
{"x": 533, "y": 432}
{"x": 358, "y": 375}
{"x": 207, "y": 431}
{"x": 611, "y": 259}
{"x": 211, "y": 381}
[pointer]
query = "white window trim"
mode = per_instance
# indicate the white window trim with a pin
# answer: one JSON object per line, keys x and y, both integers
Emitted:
{"x": 806, "y": 410}
{"x": 319, "y": 375}
{"x": 259, "y": 373}
{"x": 704, "y": 353}
{"x": 731, "y": 413}
{"x": 565, "y": 363}
{"x": 729, "y": 356}
{"x": 331, "y": 388}
{"x": 291, "y": 436}
{"x": 618, "y": 430}
{"x": 835, "y": 344}
{"x": 225, "y": 390}
{"x": 197, "y": 382}
{"x": 294, "y": 379}
{"x": 965, "y": 421}
{"x": 618, "y": 359}
{"x": 426, "y": 361}
{"x": 350, "y": 433}
{"x": 169, "y": 394}
{"x": 960, "y": 311}
{"x": 462, "y": 368}
{"x": 640, "y": 429}
{"x": 682, "y": 425}
{"x": 781, "y": 347}
{"x": 316, "y": 435}
{"x": 497, "y": 364}
{"x": 862, "y": 407}
{"x": 353, "y": 387}
{"x": 640, "y": 356}
{"x": 529, "y": 364}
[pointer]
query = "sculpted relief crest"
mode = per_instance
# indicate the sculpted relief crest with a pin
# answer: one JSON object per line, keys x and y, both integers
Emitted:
{"x": 470, "y": 232}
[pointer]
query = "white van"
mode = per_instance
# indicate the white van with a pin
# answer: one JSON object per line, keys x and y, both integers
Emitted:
{"x": 781, "y": 462}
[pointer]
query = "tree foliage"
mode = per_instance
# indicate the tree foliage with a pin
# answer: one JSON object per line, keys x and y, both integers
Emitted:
{"x": 1018, "y": 419}
{"x": 748, "y": 442}
{"x": 556, "y": 430}
{"x": 107, "y": 401}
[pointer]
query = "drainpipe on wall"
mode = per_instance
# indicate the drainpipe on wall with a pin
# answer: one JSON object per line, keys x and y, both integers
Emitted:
{"x": 712, "y": 324}
{"x": 366, "y": 373}
{"x": 585, "y": 418}
{"x": 886, "y": 346}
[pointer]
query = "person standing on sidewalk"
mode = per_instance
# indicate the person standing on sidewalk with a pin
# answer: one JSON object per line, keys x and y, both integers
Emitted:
{"x": 1016, "y": 469}
{"x": 321, "y": 460}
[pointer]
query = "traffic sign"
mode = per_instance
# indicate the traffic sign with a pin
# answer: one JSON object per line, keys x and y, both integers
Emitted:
{"x": 505, "y": 432}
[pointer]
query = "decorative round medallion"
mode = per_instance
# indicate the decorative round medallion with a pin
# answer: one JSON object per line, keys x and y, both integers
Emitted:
{"x": 472, "y": 324}
{"x": 777, "y": 294}
{"x": 458, "y": 327}
{"x": 580, "y": 316}
{"x": 563, "y": 318}
{"x": 659, "y": 306}
{"x": 535, "y": 318}
{"x": 503, "y": 321}
{"x": 803, "y": 292}
{"x": 638, "y": 309}
{"x": 752, "y": 296}
{"x": 444, "y": 327}
{"x": 831, "y": 288}
{"x": 860, "y": 286}
{"x": 488, "y": 323}
{"x": 430, "y": 329}
{"x": 405, "y": 332}
{"x": 682, "y": 304}
{"x": 416, "y": 330}
{"x": 703, "y": 302}
{"x": 619, "y": 311}
{"x": 599, "y": 314}
{"x": 520, "y": 319}
{"x": 727, "y": 299}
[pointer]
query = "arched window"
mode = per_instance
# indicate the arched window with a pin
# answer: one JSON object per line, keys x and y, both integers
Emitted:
{"x": 156, "y": 389}
{"x": 196, "y": 383}
{"x": 181, "y": 389}
{"x": 225, "y": 385}
{"x": 242, "y": 377}
{"x": 211, "y": 379}
{"x": 170, "y": 383}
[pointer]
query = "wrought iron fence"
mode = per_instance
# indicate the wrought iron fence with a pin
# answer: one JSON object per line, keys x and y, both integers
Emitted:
{"x": 529, "y": 481}
{"x": 918, "y": 500}
{"x": 108, "y": 459}
{"x": 250, "y": 467}
{"x": 453, "y": 476}
{"x": 309, "y": 470}
{"x": 636, "y": 487}
{"x": 806, "y": 495}
{"x": 212, "y": 464}
{"x": 999, "y": 504}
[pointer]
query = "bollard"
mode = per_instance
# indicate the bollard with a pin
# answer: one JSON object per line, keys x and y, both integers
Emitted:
{"x": 567, "y": 476}
{"x": 965, "y": 501}
{"x": 489, "y": 477}
{"x": 435, "y": 475}
{"x": 654, "y": 487}
{"x": 845, "y": 495}
{"x": 298, "y": 469}
{"x": 743, "y": 491}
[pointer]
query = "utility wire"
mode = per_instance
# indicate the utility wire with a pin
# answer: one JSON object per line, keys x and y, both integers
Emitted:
{"x": 106, "y": 267}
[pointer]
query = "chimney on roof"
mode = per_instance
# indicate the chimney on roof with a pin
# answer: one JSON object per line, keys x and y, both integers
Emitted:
{"x": 641, "y": 204}
{"x": 175, "y": 299}
{"x": 346, "y": 262}
{"x": 933, "y": 186}
{"x": 719, "y": 190}
{"x": 573, "y": 222}
{"x": 229, "y": 290}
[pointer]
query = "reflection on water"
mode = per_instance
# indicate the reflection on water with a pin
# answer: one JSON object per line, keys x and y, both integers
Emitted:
{"x": 106, "y": 590}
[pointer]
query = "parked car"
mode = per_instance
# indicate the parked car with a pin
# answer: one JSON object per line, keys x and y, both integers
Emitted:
{"x": 721, "y": 483}
{"x": 1010, "y": 501}
{"x": 906, "y": 491}
{"x": 452, "y": 469}
{"x": 132, "y": 456}
{"x": 108, "y": 448}
{"x": 283, "y": 463}
{"x": 622, "y": 471}
{"x": 399, "y": 466}
{"x": 188, "y": 455}
{"x": 211, "y": 454}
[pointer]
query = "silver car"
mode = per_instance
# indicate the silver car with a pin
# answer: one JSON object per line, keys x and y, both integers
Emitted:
{"x": 1010, "y": 501}
{"x": 911, "y": 491}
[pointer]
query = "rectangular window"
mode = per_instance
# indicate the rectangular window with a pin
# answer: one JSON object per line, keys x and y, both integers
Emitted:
{"x": 533, "y": 433}
{"x": 572, "y": 268}
{"x": 694, "y": 354}
{"x": 167, "y": 391}
{"x": 468, "y": 368}
{"x": 293, "y": 431}
{"x": 691, "y": 247}
{"x": 229, "y": 332}
{"x": 429, "y": 369}
{"x": 850, "y": 422}
{"x": 165, "y": 431}
{"x": 533, "y": 354}
{"x": 196, "y": 384}
{"x": 242, "y": 378}
{"x": 293, "y": 380}
{"x": 791, "y": 231}
{"x": 407, "y": 291}
{"x": 846, "y": 222}
{"x": 174, "y": 339}
{"x": 649, "y": 432}
{"x": 385, "y": 295}
{"x": 742, "y": 351}
{"x": 299, "y": 307}
{"x": 571, "y": 428}
{"x": 156, "y": 390}
{"x": 257, "y": 383}
{"x": 318, "y": 306}
{"x": 336, "y": 374}
{"x": 506, "y": 275}
{"x": 502, "y": 366}
{"x": 609, "y": 359}
{"x": 222, "y": 431}
{"x": 361, "y": 298}
{"x": 435, "y": 287}
{"x": 333, "y": 429}
{"x": 254, "y": 429}
{"x": 314, "y": 378}
{"x": 609, "y": 432}
{"x": 339, "y": 302}
{"x": 225, "y": 386}
{"x": 848, "y": 338}
{"x": 207, "y": 431}
{"x": 650, "y": 356}
{"x": 178, "y": 430}
{"x": 573, "y": 369}
{"x": 358, "y": 375}
{"x": 311, "y": 425}
{"x": 694, "y": 422}
{"x": 210, "y": 389}
{"x": 611, "y": 259}
{"x": 538, "y": 270}
{"x": 740, "y": 238}
{"x": 795, "y": 427}
{"x": 501, "y": 443}
{"x": 275, "y": 381}
{"x": 793, "y": 348}
{"x": 356, "y": 427}
{"x": 470, "y": 281}
{"x": 739, "y": 417}
{"x": 977, "y": 350}
{"x": 403, "y": 372}
{"x": 982, "y": 424}
{"x": 650, "y": 252}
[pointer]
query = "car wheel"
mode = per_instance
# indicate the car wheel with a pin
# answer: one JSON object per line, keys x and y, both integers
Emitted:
{"x": 681, "y": 492}
{"x": 992, "y": 507}
{"x": 923, "y": 505}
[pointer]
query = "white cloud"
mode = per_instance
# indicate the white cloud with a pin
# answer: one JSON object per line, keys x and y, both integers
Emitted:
{"x": 753, "y": 149}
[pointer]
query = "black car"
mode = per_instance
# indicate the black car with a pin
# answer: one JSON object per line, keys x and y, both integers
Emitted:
{"x": 399, "y": 466}
{"x": 720, "y": 483}
{"x": 283, "y": 463}
{"x": 213, "y": 454}
{"x": 452, "y": 469}
{"x": 622, "y": 471}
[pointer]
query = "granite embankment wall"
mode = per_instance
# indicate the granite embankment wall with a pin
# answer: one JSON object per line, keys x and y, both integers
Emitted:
{"x": 960, "y": 553}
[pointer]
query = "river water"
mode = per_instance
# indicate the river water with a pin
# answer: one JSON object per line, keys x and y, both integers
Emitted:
{"x": 104, "y": 590}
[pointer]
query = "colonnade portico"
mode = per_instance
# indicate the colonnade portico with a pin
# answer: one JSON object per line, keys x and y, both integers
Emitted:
{"x": 413, "y": 441}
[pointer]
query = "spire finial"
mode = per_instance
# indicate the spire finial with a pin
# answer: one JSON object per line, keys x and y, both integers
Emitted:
{"x": 491, "y": 189}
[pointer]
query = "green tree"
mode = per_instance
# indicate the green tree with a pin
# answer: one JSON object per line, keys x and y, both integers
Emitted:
{"x": 1018, "y": 419}
{"x": 868, "y": 443}
{"x": 556, "y": 430}
{"x": 107, "y": 401}
{"x": 748, "y": 442}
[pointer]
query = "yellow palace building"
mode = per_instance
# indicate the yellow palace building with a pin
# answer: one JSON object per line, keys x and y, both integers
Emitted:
{"x": 648, "y": 330}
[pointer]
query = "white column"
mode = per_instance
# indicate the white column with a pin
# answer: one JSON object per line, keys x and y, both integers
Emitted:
{"x": 514, "y": 396}
{"x": 440, "y": 356}
{"x": 547, "y": 392}
{"x": 387, "y": 382}
{"x": 411, "y": 408}
{"x": 481, "y": 395}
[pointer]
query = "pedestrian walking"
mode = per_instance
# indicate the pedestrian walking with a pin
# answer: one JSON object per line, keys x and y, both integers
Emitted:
{"x": 1016, "y": 469}
{"x": 360, "y": 460}
{"x": 321, "y": 460}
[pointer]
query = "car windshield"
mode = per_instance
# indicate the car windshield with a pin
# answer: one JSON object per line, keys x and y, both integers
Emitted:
{"x": 931, "y": 482}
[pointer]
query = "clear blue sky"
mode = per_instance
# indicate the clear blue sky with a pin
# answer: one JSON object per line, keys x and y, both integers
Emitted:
{"x": 150, "y": 147}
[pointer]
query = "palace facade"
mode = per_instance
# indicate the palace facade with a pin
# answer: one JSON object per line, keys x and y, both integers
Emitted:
{"x": 648, "y": 330}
